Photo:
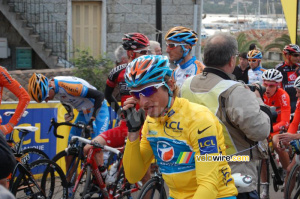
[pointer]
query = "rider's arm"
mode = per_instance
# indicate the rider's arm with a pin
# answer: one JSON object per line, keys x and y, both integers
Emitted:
{"x": 13, "y": 86}
{"x": 98, "y": 97}
{"x": 243, "y": 110}
{"x": 110, "y": 98}
{"x": 285, "y": 112}
{"x": 294, "y": 125}
{"x": 137, "y": 157}
{"x": 207, "y": 173}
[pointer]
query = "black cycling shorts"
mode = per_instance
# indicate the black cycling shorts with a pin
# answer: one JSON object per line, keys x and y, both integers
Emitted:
{"x": 7, "y": 159}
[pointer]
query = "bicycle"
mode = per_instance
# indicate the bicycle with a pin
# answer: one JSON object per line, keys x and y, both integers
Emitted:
{"x": 93, "y": 181}
{"x": 25, "y": 179}
{"x": 76, "y": 151}
{"x": 293, "y": 181}
{"x": 277, "y": 175}
{"x": 30, "y": 154}
{"x": 154, "y": 188}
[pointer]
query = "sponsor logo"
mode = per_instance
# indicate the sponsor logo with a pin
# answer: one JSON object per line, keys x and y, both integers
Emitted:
{"x": 199, "y": 132}
{"x": 284, "y": 102}
{"x": 291, "y": 76}
{"x": 175, "y": 126}
{"x": 152, "y": 132}
{"x": 165, "y": 151}
{"x": 69, "y": 88}
{"x": 208, "y": 145}
{"x": 171, "y": 112}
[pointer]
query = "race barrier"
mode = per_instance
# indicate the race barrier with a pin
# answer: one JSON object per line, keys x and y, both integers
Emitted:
{"x": 39, "y": 115}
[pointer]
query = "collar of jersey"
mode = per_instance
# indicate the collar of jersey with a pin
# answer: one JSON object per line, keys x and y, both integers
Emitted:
{"x": 56, "y": 86}
{"x": 175, "y": 107}
{"x": 257, "y": 68}
{"x": 188, "y": 63}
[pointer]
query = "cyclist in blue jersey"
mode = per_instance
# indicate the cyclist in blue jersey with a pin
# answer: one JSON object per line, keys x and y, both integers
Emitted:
{"x": 75, "y": 93}
{"x": 256, "y": 70}
{"x": 180, "y": 41}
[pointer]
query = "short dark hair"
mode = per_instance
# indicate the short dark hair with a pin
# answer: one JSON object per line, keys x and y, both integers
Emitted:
{"x": 243, "y": 55}
{"x": 252, "y": 46}
{"x": 219, "y": 49}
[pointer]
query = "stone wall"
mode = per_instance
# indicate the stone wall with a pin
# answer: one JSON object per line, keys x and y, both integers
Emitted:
{"x": 15, "y": 40}
{"x": 125, "y": 16}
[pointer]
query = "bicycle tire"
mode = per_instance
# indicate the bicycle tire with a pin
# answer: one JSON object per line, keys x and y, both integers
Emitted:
{"x": 259, "y": 184}
{"x": 55, "y": 187}
{"x": 85, "y": 180}
{"x": 294, "y": 175}
{"x": 297, "y": 194}
{"x": 60, "y": 160}
{"x": 153, "y": 187}
{"x": 34, "y": 154}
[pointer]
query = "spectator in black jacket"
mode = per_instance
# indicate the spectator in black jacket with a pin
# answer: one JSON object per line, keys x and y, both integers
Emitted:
{"x": 241, "y": 71}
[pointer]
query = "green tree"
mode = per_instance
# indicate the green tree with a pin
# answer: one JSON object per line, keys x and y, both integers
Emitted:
{"x": 280, "y": 42}
{"x": 243, "y": 43}
{"x": 93, "y": 70}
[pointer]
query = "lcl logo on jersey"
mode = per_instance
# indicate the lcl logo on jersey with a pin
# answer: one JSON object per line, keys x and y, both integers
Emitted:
{"x": 284, "y": 101}
{"x": 165, "y": 151}
{"x": 208, "y": 145}
{"x": 175, "y": 126}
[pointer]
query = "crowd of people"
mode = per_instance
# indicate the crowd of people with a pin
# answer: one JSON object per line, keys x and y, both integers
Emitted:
{"x": 196, "y": 109}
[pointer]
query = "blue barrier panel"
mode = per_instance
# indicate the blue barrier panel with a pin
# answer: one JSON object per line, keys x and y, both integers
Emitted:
{"x": 39, "y": 115}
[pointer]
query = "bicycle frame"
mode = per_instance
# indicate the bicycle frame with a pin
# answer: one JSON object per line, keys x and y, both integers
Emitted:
{"x": 22, "y": 169}
{"x": 90, "y": 160}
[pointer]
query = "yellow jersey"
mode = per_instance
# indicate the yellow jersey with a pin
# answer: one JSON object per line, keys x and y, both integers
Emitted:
{"x": 176, "y": 140}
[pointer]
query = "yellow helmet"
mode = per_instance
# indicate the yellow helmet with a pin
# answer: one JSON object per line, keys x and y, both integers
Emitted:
{"x": 38, "y": 87}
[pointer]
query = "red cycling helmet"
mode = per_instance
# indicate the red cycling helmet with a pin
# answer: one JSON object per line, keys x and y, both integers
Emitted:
{"x": 133, "y": 41}
{"x": 291, "y": 48}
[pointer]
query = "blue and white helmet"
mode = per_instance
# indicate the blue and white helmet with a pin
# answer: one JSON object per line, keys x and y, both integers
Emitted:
{"x": 147, "y": 69}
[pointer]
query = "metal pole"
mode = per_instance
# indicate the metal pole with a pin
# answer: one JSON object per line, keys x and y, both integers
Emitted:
{"x": 158, "y": 22}
{"x": 237, "y": 14}
{"x": 297, "y": 21}
{"x": 195, "y": 23}
{"x": 199, "y": 32}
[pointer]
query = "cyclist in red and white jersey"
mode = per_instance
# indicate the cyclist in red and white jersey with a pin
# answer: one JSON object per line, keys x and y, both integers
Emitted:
{"x": 180, "y": 41}
{"x": 277, "y": 97}
{"x": 290, "y": 71}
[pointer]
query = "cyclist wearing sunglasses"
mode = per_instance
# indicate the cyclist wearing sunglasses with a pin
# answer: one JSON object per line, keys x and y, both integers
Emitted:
{"x": 256, "y": 70}
{"x": 277, "y": 97}
{"x": 134, "y": 44}
{"x": 180, "y": 41}
{"x": 290, "y": 71}
{"x": 175, "y": 132}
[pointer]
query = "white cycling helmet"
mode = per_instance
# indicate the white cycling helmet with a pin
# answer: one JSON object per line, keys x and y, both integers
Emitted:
{"x": 297, "y": 83}
{"x": 272, "y": 75}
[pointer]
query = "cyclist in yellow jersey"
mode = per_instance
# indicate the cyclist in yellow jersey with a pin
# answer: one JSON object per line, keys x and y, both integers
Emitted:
{"x": 176, "y": 132}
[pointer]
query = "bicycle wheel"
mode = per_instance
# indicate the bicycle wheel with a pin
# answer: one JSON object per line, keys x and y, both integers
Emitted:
{"x": 44, "y": 180}
{"x": 153, "y": 189}
{"x": 60, "y": 160}
{"x": 84, "y": 183}
{"x": 293, "y": 182}
{"x": 259, "y": 183}
{"x": 297, "y": 194}
{"x": 32, "y": 154}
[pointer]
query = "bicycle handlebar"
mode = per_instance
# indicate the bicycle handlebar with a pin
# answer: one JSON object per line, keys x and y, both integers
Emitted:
{"x": 95, "y": 144}
{"x": 56, "y": 125}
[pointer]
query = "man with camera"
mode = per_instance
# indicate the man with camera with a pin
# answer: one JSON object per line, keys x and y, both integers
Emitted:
{"x": 241, "y": 112}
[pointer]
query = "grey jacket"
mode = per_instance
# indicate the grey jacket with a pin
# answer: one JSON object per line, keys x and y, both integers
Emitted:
{"x": 239, "y": 110}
